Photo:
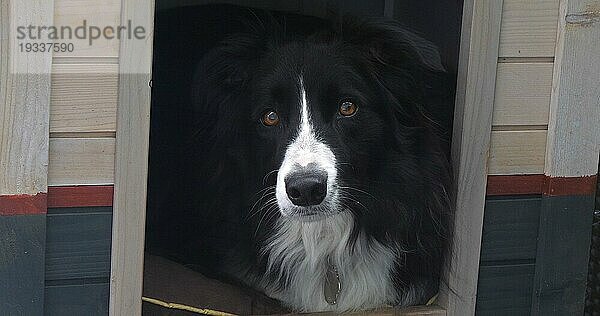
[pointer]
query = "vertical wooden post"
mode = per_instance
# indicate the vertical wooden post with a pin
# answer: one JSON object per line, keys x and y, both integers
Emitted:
{"x": 24, "y": 109}
{"x": 470, "y": 145}
{"x": 131, "y": 162}
{"x": 571, "y": 166}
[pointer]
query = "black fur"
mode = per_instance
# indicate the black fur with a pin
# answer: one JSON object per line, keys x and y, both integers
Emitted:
{"x": 393, "y": 152}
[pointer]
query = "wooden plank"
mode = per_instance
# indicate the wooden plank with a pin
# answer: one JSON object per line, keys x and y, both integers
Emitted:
{"x": 81, "y": 161}
{"x": 522, "y": 94}
{"x": 573, "y": 130}
{"x": 22, "y": 264}
{"x": 24, "y": 99}
{"x": 562, "y": 255}
{"x": 72, "y": 13}
{"x": 84, "y": 98}
{"x": 76, "y": 299}
{"x": 78, "y": 243}
{"x": 517, "y": 152}
{"x": 505, "y": 289}
{"x": 510, "y": 229}
{"x": 131, "y": 173}
{"x": 470, "y": 145}
{"x": 528, "y": 28}
{"x": 24, "y": 111}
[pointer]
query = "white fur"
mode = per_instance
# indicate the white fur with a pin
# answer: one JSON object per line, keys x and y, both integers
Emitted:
{"x": 307, "y": 148}
{"x": 299, "y": 251}
{"x": 302, "y": 245}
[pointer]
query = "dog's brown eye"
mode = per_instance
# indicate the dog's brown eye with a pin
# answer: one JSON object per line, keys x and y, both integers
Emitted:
{"x": 348, "y": 108}
{"x": 270, "y": 118}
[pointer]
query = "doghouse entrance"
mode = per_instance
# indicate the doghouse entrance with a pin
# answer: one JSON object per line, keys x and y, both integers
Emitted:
{"x": 178, "y": 30}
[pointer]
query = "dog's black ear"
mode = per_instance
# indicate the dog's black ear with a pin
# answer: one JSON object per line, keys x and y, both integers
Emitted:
{"x": 390, "y": 44}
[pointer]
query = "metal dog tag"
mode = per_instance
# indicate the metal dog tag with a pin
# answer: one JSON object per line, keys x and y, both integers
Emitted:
{"x": 332, "y": 285}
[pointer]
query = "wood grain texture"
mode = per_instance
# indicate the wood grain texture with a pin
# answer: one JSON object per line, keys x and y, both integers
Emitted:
{"x": 22, "y": 264}
{"x": 84, "y": 98}
{"x": 522, "y": 94}
{"x": 510, "y": 229}
{"x": 76, "y": 299}
{"x": 574, "y": 128}
{"x": 505, "y": 289}
{"x": 470, "y": 144}
{"x": 78, "y": 244}
{"x": 131, "y": 173}
{"x": 81, "y": 161}
{"x": 24, "y": 102}
{"x": 96, "y": 13}
{"x": 517, "y": 152}
{"x": 528, "y": 28}
{"x": 562, "y": 255}
{"x": 23, "y": 204}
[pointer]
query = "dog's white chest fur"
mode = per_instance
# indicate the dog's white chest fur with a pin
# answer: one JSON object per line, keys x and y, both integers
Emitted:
{"x": 299, "y": 252}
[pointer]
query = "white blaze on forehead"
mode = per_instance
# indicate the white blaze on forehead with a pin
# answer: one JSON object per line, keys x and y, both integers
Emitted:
{"x": 305, "y": 149}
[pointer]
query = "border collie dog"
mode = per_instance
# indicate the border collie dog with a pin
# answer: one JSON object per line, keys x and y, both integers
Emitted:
{"x": 318, "y": 146}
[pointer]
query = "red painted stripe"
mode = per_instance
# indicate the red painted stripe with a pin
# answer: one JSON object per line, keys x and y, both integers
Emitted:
{"x": 80, "y": 196}
{"x": 515, "y": 185}
{"x": 561, "y": 186}
{"x": 23, "y": 204}
{"x": 540, "y": 184}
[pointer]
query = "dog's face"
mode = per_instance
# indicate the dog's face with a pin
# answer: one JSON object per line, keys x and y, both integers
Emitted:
{"x": 319, "y": 121}
{"x": 334, "y": 115}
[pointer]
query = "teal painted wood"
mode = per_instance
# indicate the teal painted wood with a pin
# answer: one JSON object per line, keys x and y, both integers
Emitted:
{"x": 78, "y": 243}
{"x": 78, "y": 261}
{"x": 510, "y": 229}
{"x": 508, "y": 250}
{"x": 73, "y": 300}
{"x": 505, "y": 289}
{"x": 562, "y": 255}
{"x": 22, "y": 240}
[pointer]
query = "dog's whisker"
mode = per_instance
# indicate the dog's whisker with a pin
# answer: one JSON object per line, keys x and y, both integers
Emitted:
{"x": 270, "y": 210}
{"x": 266, "y": 177}
{"x": 263, "y": 206}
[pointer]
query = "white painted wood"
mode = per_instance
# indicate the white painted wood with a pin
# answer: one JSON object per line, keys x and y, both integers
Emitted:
{"x": 574, "y": 127}
{"x": 131, "y": 163}
{"x": 84, "y": 98}
{"x": 517, "y": 152}
{"x": 522, "y": 94}
{"x": 528, "y": 28}
{"x": 76, "y": 161}
{"x": 470, "y": 145}
{"x": 24, "y": 101}
{"x": 103, "y": 13}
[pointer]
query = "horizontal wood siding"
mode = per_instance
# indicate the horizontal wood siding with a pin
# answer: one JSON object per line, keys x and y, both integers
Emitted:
{"x": 517, "y": 152}
{"x": 104, "y": 13}
{"x": 76, "y": 299}
{"x": 528, "y": 28}
{"x": 522, "y": 94}
{"x": 84, "y": 92}
{"x": 508, "y": 255}
{"x": 510, "y": 229}
{"x": 84, "y": 98}
{"x": 505, "y": 289}
{"x": 86, "y": 161}
{"x": 78, "y": 243}
{"x": 78, "y": 261}
{"x": 523, "y": 87}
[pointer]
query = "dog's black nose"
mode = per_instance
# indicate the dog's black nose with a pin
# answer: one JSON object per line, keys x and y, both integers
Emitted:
{"x": 306, "y": 188}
